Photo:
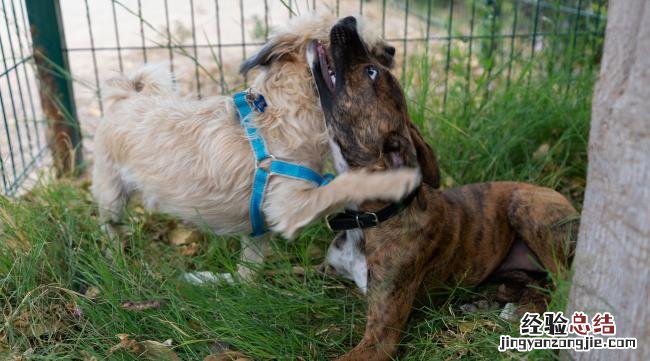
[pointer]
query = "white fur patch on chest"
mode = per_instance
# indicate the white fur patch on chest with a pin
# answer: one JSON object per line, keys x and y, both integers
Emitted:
{"x": 349, "y": 259}
{"x": 339, "y": 162}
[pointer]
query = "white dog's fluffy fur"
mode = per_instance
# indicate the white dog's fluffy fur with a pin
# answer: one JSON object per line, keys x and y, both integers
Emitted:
{"x": 191, "y": 158}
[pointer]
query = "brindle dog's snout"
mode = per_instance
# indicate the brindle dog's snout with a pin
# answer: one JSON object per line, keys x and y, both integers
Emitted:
{"x": 346, "y": 43}
{"x": 349, "y": 21}
{"x": 340, "y": 32}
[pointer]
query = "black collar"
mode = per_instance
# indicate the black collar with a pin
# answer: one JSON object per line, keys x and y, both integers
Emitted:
{"x": 351, "y": 219}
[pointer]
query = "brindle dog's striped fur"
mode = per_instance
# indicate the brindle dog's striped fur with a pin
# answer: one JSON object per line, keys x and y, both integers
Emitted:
{"x": 466, "y": 235}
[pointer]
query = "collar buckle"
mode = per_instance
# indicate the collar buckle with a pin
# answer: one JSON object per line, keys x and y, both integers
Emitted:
{"x": 374, "y": 220}
{"x": 353, "y": 219}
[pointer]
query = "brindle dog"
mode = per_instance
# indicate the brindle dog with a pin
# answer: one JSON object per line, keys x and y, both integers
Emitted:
{"x": 466, "y": 235}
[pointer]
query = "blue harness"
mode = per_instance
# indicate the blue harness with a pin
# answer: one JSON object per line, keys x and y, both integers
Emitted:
{"x": 243, "y": 102}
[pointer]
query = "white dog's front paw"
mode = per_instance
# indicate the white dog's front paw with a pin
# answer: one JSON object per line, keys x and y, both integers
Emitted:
{"x": 199, "y": 278}
{"x": 401, "y": 182}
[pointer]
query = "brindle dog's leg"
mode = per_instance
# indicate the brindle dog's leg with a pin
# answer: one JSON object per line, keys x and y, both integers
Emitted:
{"x": 395, "y": 274}
{"x": 545, "y": 220}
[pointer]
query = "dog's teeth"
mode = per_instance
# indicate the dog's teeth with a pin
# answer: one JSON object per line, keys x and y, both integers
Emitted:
{"x": 333, "y": 78}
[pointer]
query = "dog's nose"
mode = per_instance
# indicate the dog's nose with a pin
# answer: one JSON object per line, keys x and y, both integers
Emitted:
{"x": 349, "y": 22}
{"x": 390, "y": 50}
{"x": 341, "y": 32}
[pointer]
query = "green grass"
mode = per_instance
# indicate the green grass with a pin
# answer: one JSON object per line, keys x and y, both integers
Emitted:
{"x": 534, "y": 131}
{"x": 60, "y": 296}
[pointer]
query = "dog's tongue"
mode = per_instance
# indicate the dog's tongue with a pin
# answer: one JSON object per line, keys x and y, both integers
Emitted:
{"x": 326, "y": 69}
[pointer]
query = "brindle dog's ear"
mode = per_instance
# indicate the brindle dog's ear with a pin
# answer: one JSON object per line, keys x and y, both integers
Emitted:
{"x": 426, "y": 158}
{"x": 385, "y": 55}
{"x": 395, "y": 151}
{"x": 276, "y": 48}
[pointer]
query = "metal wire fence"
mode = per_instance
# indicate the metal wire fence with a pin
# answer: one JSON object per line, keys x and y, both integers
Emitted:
{"x": 469, "y": 48}
{"x": 23, "y": 144}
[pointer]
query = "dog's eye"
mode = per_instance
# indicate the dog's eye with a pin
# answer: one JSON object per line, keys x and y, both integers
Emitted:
{"x": 372, "y": 72}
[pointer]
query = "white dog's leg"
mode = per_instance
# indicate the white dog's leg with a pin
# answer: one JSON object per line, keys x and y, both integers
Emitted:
{"x": 109, "y": 191}
{"x": 351, "y": 188}
{"x": 253, "y": 251}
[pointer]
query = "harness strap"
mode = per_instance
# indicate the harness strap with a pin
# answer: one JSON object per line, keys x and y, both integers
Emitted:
{"x": 260, "y": 180}
{"x": 245, "y": 119}
{"x": 297, "y": 171}
{"x": 277, "y": 167}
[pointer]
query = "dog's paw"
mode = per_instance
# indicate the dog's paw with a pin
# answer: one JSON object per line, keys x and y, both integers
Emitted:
{"x": 203, "y": 277}
{"x": 401, "y": 182}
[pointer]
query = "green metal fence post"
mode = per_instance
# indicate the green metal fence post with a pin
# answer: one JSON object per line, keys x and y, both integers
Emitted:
{"x": 55, "y": 86}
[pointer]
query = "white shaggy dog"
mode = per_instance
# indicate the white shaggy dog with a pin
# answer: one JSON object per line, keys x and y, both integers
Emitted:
{"x": 192, "y": 159}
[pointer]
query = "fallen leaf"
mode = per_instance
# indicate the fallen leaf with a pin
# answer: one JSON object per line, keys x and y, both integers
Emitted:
{"x": 22, "y": 321}
{"x": 181, "y": 235}
{"x": 159, "y": 351}
{"x": 298, "y": 271}
{"x": 541, "y": 152}
{"x": 491, "y": 325}
{"x": 467, "y": 327}
{"x": 126, "y": 344}
{"x": 3, "y": 343}
{"x": 149, "y": 350}
{"x": 190, "y": 249}
{"x": 92, "y": 292}
{"x": 141, "y": 305}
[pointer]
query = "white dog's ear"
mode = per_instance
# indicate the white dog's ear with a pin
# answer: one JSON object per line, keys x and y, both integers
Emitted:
{"x": 275, "y": 49}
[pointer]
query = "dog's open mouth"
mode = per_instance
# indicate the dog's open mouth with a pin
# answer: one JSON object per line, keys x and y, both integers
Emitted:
{"x": 322, "y": 68}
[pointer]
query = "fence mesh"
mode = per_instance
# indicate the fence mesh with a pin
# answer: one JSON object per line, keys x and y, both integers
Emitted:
{"x": 23, "y": 144}
{"x": 468, "y": 48}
